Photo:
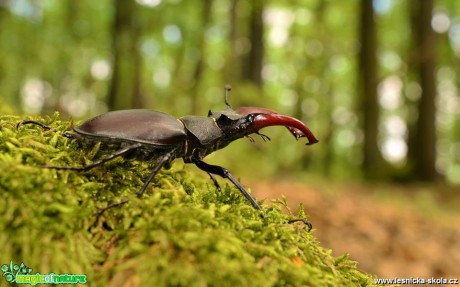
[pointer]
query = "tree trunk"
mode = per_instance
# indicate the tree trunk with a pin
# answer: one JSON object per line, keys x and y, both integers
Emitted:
{"x": 368, "y": 88}
{"x": 199, "y": 66}
{"x": 422, "y": 144}
{"x": 252, "y": 68}
{"x": 233, "y": 65}
{"x": 124, "y": 91}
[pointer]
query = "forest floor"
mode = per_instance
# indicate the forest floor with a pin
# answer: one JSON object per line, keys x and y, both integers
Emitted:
{"x": 392, "y": 231}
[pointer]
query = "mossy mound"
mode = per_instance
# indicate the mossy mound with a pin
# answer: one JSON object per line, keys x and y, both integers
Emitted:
{"x": 181, "y": 233}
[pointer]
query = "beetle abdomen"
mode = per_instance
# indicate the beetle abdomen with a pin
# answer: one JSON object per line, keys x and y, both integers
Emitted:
{"x": 144, "y": 126}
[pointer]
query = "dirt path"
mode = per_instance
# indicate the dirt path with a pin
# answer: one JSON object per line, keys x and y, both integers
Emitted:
{"x": 387, "y": 239}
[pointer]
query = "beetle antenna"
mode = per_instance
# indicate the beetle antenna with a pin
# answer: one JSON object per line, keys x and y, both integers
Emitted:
{"x": 227, "y": 88}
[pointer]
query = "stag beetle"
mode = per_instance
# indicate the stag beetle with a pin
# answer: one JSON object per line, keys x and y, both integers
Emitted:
{"x": 160, "y": 138}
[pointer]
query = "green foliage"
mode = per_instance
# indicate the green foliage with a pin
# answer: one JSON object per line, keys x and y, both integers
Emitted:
{"x": 182, "y": 232}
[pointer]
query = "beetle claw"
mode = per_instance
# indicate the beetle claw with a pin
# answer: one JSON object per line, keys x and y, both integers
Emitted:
{"x": 216, "y": 183}
{"x": 304, "y": 221}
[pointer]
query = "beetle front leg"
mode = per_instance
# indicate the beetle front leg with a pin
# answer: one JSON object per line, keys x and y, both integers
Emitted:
{"x": 223, "y": 172}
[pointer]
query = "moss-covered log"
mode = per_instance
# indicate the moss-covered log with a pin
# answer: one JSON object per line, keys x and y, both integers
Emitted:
{"x": 181, "y": 233}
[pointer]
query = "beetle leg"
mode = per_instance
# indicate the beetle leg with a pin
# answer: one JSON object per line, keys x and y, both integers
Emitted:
{"x": 165, "y": 159}
{"x": 70, "y": 136}
{"x": 101, "y": 161}
{"x": 45, "y": 127}
{"x": 304, "y": 221}
{"x": 102, "y": 210}
{"x": 223, "y": 172}
{"x": 115, "y": 204}
{"x": 214, "y": 180}
{"x": 26, "y": 122}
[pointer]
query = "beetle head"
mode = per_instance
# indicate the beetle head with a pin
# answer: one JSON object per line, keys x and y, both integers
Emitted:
{"x": 247, "y": 120}
{"x": 233, "y": 125}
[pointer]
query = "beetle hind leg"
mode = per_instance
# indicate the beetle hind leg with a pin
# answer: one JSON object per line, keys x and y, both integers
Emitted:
{"x": 110, "y": 157}
{"x": 45, "y": 127}
{"x": 28, "y": 122}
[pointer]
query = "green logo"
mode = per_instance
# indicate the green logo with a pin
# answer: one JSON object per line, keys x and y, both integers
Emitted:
{"x": 21, "y": 274}
{"x": 13, "y": 270}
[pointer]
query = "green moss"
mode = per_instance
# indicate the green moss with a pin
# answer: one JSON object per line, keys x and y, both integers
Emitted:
{"x": 182, "y": 232}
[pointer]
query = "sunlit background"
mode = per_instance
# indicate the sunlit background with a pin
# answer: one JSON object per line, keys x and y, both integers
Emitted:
{"x": 59, "y": 55}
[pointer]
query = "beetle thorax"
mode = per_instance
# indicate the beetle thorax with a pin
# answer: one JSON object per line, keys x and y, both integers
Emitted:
{"x": 203, "y": 136}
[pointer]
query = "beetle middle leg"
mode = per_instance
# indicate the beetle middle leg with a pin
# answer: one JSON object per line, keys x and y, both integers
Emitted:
{"x": 223, "y": 172}
{"x": 164, "y": 160}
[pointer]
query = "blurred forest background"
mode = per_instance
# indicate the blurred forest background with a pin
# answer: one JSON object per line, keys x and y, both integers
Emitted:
{"x": 376, "y": 81}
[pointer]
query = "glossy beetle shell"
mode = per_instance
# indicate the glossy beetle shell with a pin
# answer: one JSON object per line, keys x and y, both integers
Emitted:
{"x": 143, "y": 126}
